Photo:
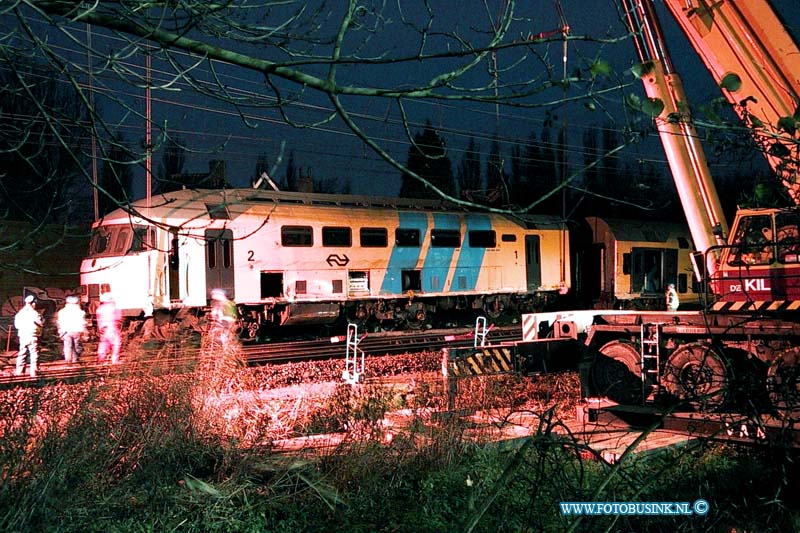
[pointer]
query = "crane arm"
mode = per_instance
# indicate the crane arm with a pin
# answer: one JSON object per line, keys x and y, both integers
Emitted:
{"x": 756, "y": 62}
{"x": 685, "y": 155}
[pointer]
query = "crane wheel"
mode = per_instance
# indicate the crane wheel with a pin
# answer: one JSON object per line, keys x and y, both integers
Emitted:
{"x": 696, "y": 375}
{"x": 783, "y": 379}
{"x": 616, "y": 373}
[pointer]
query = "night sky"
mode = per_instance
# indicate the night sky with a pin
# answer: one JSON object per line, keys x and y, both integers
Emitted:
{"x": 216, "y": 131}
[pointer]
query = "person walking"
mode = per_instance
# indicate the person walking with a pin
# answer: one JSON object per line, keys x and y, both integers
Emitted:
{"x": 71, "y": 322}
{"x": 28, "y": 321}
{"x": 223, "y": 317}
{"x": 109, "y": 320}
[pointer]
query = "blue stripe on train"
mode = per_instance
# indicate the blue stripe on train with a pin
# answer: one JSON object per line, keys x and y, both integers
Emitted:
{"x": 437, "y": 262}
{"x": 470, "y": 260}
{"x": 404, "y": 257}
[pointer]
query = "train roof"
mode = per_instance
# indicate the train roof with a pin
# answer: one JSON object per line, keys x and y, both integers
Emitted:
{"x": 639, "y": 230}
{"x": 228, "y": 203}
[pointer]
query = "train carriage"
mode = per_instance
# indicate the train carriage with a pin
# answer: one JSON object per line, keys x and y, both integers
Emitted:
{"x": 292, "y": 258}
{"x": 628, "y": 264}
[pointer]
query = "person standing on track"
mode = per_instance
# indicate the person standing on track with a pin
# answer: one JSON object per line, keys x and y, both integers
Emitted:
{"x": 28, "y": 321}
{"x": 71, "y": 326}
{"x": 109, "y": 319}
{"x": 223, "y": 317}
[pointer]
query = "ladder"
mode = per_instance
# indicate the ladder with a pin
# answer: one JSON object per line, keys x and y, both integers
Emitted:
{"x": 651, "y": 359}
{"x": 353, "y": 372}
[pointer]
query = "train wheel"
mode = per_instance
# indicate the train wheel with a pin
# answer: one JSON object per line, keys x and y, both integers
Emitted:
{"x": 696, "y": 374}
{"x": 616, "y": 373}
{"x": 783, "y": 378}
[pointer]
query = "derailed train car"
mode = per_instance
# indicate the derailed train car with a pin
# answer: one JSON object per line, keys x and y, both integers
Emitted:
{"x": 627, "y": 264}
{"x": 293, "y": 259}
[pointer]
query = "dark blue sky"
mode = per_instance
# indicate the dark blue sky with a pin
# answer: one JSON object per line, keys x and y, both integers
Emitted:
{"x": 216, "y": 131}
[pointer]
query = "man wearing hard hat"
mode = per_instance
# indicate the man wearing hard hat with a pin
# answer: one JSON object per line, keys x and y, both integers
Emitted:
{"x": 28, "y": 321}
{"x": 71, "y": 326}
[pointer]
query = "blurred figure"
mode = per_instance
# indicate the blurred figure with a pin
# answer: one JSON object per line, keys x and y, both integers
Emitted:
{"x": 28, "y": 321}
{"x": 109, "y": 319}
{"x": 672, "y": 298}
{"x": 71, "y": 326}
{"x": 223, "y": 317}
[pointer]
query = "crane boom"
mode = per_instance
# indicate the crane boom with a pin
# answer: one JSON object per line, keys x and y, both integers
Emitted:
{"x": 748, "y": 40}
{"x": 685, "y": 155}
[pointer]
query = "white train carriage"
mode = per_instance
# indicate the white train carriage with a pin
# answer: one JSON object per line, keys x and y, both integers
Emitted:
{"x": 292, "y": 258}
{"x": 629, "y": 264}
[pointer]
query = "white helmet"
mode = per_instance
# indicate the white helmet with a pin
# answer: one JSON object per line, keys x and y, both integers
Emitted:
{"x": 218, "y": 294}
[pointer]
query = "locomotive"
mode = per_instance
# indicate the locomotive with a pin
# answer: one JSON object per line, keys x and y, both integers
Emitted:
{"x": 292, "y": 259}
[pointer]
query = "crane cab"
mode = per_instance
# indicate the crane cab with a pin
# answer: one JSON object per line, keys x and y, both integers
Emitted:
{"x": 759, "y": 269}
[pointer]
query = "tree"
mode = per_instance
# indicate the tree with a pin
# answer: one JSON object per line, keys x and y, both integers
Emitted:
{"x": 42, "y": 150}
{"x": 427, "y": 158}
{"x": 291, "y": 173}
{"x": 172, "y": 165}
{"x": 262, "y": 167}
{"x": 469, "y": 170}
{"x": 116, "y": 177}
{"x": 496, "y": 178}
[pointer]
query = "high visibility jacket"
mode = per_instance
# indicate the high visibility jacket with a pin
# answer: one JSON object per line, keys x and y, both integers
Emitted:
{"x": 71, "y": 319}
{"x": 27, "y": 321}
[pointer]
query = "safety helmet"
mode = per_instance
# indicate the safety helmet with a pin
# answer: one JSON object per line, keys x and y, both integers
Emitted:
{"x": 217, "y": 294}
{"x": 29, "y": 299}
{"x": 671, "y": 286}
{"x": 72, "y": 299}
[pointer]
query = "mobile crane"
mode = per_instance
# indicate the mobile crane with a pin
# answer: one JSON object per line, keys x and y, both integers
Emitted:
{"x": 745, "y": 345}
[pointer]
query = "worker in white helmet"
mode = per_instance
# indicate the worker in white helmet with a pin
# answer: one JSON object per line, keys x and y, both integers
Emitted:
{"x": 28, "y": 322}
{"x": 109, "y": 320}
{"x": 71, "y": 322}
{"x": 673, "y": 302}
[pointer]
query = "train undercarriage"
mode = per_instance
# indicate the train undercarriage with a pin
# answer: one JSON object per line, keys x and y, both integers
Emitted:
{"x": 263, "y": 322}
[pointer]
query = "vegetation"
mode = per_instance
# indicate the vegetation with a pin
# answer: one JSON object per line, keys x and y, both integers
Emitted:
{"x": 202, "y": 452}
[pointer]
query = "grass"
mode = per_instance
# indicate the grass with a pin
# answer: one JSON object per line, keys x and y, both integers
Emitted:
{"x": 193, "y": 453}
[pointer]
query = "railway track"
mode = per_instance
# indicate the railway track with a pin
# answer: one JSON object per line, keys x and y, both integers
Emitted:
{"x": 182, "y": 355}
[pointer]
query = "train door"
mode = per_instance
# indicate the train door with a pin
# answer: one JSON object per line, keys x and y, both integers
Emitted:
{"x": 533, "y": 262}
{"x": 653, "y": 269}
{"x": 219, "y": 261}
{"x": 590, "y": 269}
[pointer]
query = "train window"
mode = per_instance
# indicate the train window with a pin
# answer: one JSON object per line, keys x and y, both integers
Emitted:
{"x": 226, "y": 253}
{"x": 445, "y": 238}
{"x": 121, "y": 242}
{"x": 683, "y": 283}
{"x": 297, "y": 236}
{"x": 211, "y": 253}
{"x": 98, "y": 244}
{"x": 337, "y": 286}
{"x": 218, "y": 211}
{"x": 508, "y": 237}
{"x": 336, "y": 236}
{"x": 374, "y": 238}
{"x": 406, "y": 237}
{"x": 144, "y": 238}
{"x": 411, "y": 280}
{"x": 482, "y": 238}
{"x": 300, "y": 286}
